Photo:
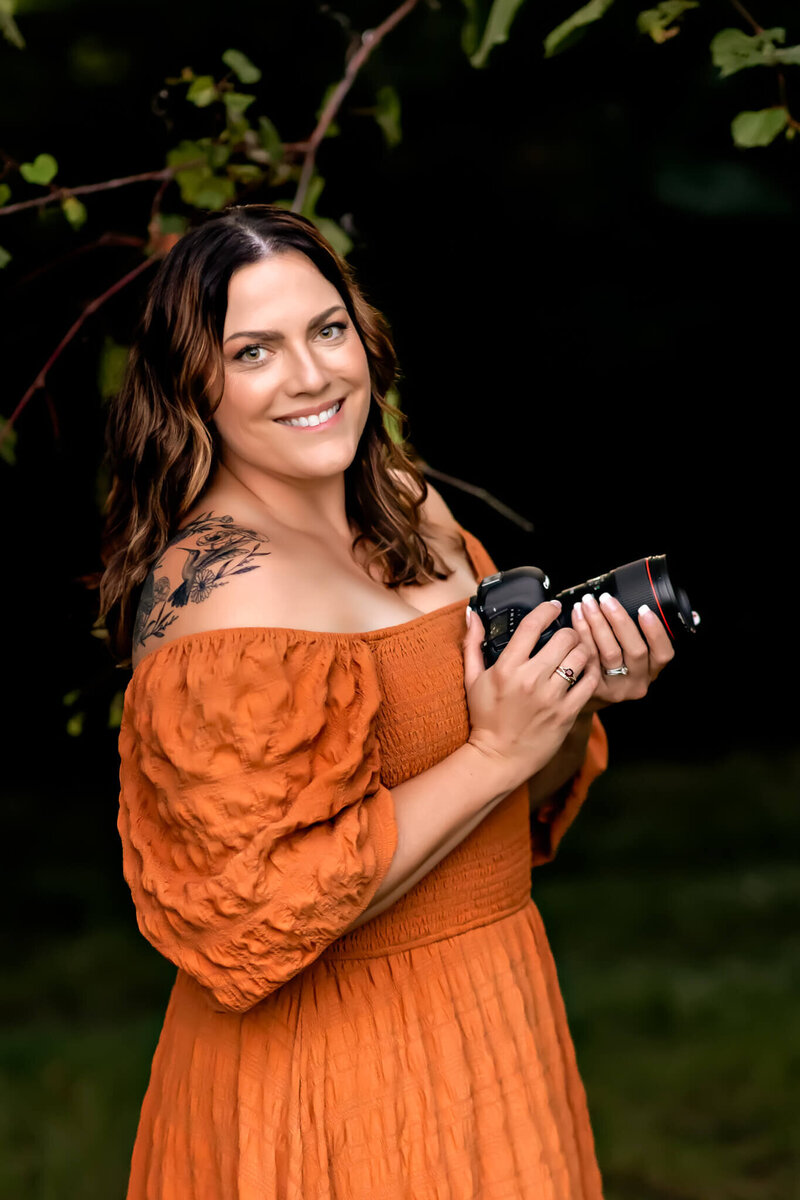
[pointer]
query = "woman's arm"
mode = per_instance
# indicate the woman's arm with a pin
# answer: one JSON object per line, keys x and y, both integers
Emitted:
{"x": 545, "y": 783}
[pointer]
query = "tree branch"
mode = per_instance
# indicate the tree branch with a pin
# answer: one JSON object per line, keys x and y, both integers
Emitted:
{"x": 105, "y": 239}
{"x": 480, "y": 493}
{"x": 61, "y": 193}
{"x": 751, "y": 21}
{"x": 369, "y": 40}
{"x": 90, "y": 308}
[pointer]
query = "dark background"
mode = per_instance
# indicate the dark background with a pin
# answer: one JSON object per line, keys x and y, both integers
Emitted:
{"x": 591, "y": 292}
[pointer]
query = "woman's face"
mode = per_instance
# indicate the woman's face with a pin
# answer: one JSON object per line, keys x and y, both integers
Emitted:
{"x": 290, "y": 350}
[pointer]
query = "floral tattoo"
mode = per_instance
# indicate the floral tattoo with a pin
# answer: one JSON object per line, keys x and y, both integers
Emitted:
{"x": 221, "y": 549}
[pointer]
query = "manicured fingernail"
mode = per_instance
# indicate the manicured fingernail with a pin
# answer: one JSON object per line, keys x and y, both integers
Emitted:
{"x": 645, "y": 608}
{"x": 578, "y": 611}
{"x": 589, "y": 601}
{"x": 556, "y": 602}
{"x": 469, "y": 615}
{"x": 608, "y": 600}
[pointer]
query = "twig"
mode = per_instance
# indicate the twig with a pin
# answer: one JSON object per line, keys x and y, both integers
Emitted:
{"x": 105, "y": 239}
{"x": 480, "y": 493}
{"x": 369, "y": 40}
{"x": 92, "y": 307}
{"x": 61, "y": 193}
{"x": 791, "y": 121}
{"x": 742, "y": 11}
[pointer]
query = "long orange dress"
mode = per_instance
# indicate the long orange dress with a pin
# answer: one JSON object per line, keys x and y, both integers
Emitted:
{"x": 424, "y": 1055}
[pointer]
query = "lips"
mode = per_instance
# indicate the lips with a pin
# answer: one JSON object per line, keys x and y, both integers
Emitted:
{"x": 310, "y": 412}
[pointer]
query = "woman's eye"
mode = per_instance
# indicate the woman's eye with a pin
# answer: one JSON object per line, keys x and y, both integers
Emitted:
{"x": 251, "y": 354}
{"x": 332, "y": 333}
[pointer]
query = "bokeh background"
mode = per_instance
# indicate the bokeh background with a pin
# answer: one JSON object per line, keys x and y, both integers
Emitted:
{"x": 593, "y": 300}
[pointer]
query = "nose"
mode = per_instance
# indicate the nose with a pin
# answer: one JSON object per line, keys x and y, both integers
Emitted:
{"x": 305, "y": 373}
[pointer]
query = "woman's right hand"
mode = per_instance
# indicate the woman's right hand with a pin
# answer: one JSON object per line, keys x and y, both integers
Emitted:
{"x": 520, "y": 709}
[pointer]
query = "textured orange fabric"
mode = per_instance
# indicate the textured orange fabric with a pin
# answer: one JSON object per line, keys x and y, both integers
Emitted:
{"x": 424, "y": 1055}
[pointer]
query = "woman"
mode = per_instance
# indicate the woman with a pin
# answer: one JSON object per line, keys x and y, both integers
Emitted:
{"x": 329, "y": 832}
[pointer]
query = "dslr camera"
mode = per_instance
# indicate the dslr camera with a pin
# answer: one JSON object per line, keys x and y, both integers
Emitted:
{"x": 502, "y": 600}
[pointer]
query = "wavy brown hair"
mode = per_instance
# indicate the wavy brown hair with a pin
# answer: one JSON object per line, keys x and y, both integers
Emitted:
{"x": 162, "y": 447}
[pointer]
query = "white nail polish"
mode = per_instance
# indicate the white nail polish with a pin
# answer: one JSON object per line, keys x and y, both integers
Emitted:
{"x": 607, "y": 598}
{"x": 469, "y": 615}
{"x": 645, "y": 608}
{"x": 588, "y": 600}
{"x": 576, "y": 608}
{"x": 556, "y": 602}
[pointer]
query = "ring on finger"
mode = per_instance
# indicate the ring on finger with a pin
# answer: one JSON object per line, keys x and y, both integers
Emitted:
{"x": 623, "y": 670}
{"x": 568, "y": 674}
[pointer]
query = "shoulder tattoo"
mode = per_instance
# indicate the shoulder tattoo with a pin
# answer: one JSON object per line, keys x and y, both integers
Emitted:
{"x": 219, "y": 549}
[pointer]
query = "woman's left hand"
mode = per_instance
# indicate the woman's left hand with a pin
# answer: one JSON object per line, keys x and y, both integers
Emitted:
{"x": 608, "y": 633}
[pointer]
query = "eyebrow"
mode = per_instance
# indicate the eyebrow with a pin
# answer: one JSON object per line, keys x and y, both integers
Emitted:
{"x": 272, "y": 335}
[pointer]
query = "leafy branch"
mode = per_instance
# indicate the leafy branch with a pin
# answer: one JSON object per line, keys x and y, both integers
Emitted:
{"x": 369, "y": 40}
{"x": 732, "y": 50}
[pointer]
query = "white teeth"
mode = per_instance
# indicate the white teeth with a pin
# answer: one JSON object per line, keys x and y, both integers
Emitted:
{"x": 318, "y": 419}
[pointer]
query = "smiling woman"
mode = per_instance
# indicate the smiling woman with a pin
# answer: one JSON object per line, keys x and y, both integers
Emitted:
{"x": 329, "y": 807}
{"x": 254, "y": 322}
{"x": 296, "y": 368}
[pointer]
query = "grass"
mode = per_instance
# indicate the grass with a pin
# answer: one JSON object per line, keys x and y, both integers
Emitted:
{"x": 672, "y": 912}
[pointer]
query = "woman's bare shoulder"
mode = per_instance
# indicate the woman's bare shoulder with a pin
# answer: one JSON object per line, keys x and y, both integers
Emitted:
{"x": 434, "y": 509}
{"x": 205, "y": 578}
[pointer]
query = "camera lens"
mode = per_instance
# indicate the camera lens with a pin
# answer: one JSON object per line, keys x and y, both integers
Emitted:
{"x": 646, "y": 581}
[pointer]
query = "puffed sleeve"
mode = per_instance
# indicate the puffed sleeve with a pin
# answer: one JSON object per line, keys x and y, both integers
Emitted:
{"x": 254, "y": 824}
{"x": 551, "y": 821}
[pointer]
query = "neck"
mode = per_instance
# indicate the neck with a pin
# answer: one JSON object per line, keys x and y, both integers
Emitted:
{"x": 315, "y": 506}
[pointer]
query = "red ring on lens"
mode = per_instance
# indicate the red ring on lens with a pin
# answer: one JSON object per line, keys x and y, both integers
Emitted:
{"x": 655, "y": 597}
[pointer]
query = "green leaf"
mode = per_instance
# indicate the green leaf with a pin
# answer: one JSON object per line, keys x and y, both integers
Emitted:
{"x": 270, "y": 139}
{"x": 41, "y": 170}
{"x": 199, "y": 186}
{"x": 214, "y": 193}
{"x": 74, "y": 210}
{"x": 187, "y": 152}
{"x": 5, "y": 193}
{"x": 202, "y": 91}
{"x": 314, "y": 190}
{"x": 8, "y": 26}
{"x": 217, "y": 155}
{"x": 790, "y": 57}
{"x": 387, "y": 114}
{"x": 75, "y": 724}
{"x": 243, "y": 69}
{"x": 236, "y": 103}
{"x": 337, "y": 237}
{"x": 9, "y": 443}
{"x": 732, "y": 50}
{"x": 659, "y": 21}
{"x": 5, "y": 257}
{"x": 560, "y": 37}
{"x": 758, "y": 128}
{"x": 115, "y": 710}
{"x": 69, "y": 698}
{"x": 172, "y": 223}
{"x": 470, "y": 30}
{"x": 501, "y": 15}
{"x": 392, "y": 424}
{"x": 245, "y": 172}
{"x": 111, "y": 367}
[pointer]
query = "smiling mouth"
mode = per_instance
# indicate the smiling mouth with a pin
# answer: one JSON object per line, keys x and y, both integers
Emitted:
{"x": 314, "y": 420}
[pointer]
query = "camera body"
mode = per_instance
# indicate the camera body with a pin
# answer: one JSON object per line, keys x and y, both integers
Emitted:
{"x": 503, "y": 599}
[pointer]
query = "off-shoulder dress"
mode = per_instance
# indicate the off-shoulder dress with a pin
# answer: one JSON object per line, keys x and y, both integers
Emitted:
{"x": 424, "y": 1055}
